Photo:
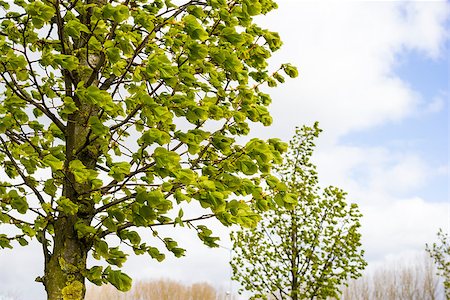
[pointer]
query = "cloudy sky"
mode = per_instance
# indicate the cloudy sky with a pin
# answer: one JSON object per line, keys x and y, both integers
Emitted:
{"x": 375, "y": 75}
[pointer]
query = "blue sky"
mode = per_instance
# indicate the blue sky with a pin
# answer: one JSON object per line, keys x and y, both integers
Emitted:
{"x": 430, "y": 78}
{"x": 426, "y": 134}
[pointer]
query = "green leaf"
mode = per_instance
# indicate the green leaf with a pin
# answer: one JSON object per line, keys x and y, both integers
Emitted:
{"x": 197, "y": 51}
{"x": 290, "y": 70}
{"x": 133, "y": 237}
{"x": 69, "y": 106}
{"x": 94, "y": 275}
{"x": 119, "y": 170}
{"x": 253, "y": 8}
{"x": 194, "y": 28}
{"x": 22, "y": 241}
{"x": 74, "y": 28}
{"x": 196, "y": 114}
{"x": 81, "y": 173}
{"x": 97, "y": 127}
{"x": 172, "y": 246}
{"x": 68, "y": 62}
{"x": 155, "y": 135}
{"x": 186, "y": 176}
{"x": 120, "y": 280}
{"x": 40, "y": 13}
{"x": 54, "y": 163}
{"x": 273, "y": 40}
{"x": 166, "y": 159}
{"x": 154, "y": 253}
{"x": 232, "y": 36}
{"x": 247, "y": 166}
{"x": 50, "y": 188}
{"x": 17, "y": 202}
{"x": 94, "y": 43}
{"x": 272, "y": 181}
{"x": 119, "y": 13}
{"x": 207, "y": 184}
{"x": 113, "y": 54}
{"x": 5, "y": 5}
{"x": 196, "y": 11}
{"x": 66, "y": 206}
{"x": 83, "y": 230}
{"x": 5, "y": 242}
{"x": 278, "y": 77}
{"x": 4, "y": 218}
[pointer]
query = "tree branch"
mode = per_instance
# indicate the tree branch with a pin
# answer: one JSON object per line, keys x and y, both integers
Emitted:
{"x": 131, "y": 224}
{"x": 19, "y": 92}
{"x": 22, "y": 175}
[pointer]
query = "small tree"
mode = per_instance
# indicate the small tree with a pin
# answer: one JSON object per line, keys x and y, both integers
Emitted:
{"x": 440, "y": 253}
{"x": 305, "y": 251}
{"x": 114, "y": 114}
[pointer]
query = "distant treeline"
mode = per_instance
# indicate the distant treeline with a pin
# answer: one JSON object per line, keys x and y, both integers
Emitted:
{"x": 161, "y": 289}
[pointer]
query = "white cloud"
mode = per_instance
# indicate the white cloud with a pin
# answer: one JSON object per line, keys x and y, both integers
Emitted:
{"x": 347, "y": 53}
{"x": 374, "y": 169}
{"x": 405, "y": 174}
{"x": 384, "y": 183}
{"x": 436, "y": 105}
{"x": 405, "y": 224}
{"x": 426, "y": 19}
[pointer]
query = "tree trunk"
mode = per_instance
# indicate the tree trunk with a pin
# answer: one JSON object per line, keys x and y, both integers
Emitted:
{"x": 294, "y": 259}
{"x": 65, "y": 266}
{"x": 63, "y": 278}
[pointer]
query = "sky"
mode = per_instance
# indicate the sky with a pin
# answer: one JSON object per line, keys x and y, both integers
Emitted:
{"x": 376, "y": 77}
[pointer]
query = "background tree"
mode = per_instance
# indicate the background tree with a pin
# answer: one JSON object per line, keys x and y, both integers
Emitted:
{"x": 162, "y": 289}
{"x": 303, "y": 251}
{"x": 114, "y": 114}
{"x": 440, "y": 253}
{"x": 414, "y": 278}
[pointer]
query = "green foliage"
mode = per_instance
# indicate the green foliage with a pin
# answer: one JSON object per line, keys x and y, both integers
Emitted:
{"x": 118, "y": 279}
{"x": 440, "y": 253}
{"x": 106, "y": 111}
{"x": 310, "y": 245}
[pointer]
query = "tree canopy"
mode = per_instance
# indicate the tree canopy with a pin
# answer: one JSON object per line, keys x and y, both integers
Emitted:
{"x": 115, "y": 113}
{"x": 306, "y": 250}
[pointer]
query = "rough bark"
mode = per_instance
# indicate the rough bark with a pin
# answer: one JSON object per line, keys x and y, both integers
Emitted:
{"x": 63, "y": 278}
{"x": 63, "y": 271}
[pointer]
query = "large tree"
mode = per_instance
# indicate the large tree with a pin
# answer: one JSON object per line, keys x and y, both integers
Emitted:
{"x": 115, "y": 113}
{"x": 306, "y": 250}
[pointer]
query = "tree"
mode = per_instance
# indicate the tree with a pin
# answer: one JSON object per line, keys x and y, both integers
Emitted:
{"x": 440, "y": 253}
{"x": 114, "y": 114}
{"x": 306, "y": 250}
{"x": 162, "y": 289}
{"x": 412, "y": 278}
